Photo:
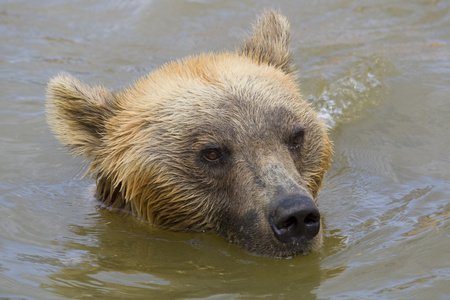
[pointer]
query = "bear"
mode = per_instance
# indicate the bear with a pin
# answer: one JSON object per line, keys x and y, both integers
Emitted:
{"x": 215, "y": 142}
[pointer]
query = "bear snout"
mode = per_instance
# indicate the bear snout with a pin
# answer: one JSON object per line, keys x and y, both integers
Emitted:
{"x": 295, "y": 219}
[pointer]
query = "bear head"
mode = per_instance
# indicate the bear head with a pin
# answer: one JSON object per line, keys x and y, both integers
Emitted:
{"x": 217, "y": 142}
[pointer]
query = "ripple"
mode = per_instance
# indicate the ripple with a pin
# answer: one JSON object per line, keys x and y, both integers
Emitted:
{"x": 362, "y": 84}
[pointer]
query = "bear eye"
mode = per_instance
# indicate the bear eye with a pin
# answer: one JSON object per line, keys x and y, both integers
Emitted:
{"x": 214, "y": 158}
{"x": 297, "y": 138}
{"x": 212, "y": 154}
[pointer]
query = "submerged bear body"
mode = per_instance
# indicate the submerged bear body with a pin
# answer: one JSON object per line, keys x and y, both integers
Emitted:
{"x": 215, "y": 142}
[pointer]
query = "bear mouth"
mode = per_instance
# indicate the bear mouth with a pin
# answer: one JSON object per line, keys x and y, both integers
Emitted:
{"x": 277, "y": 249}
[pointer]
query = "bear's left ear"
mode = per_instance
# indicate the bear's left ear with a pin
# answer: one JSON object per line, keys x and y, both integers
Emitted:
{"x": 269, "y": 42}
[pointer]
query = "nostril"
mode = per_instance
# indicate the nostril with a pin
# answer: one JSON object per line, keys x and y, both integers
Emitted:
{"x": 311, "y": 219}
{"x": 290, "y": 223}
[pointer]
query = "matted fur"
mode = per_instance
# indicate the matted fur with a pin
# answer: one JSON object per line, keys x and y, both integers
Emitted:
{"x": 146, "y": 141}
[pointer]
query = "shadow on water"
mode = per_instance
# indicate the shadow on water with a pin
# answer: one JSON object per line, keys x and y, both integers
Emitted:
{"x": 121, "y": 257}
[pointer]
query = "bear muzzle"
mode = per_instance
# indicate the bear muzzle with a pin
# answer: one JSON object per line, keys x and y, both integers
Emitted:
{"x": 295, "y": 219}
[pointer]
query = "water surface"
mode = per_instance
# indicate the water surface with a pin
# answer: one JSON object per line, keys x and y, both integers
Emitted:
{"x": 377, "y": 71}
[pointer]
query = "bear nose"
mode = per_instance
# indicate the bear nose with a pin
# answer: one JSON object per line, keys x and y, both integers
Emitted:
{"x": 295, "y": 219}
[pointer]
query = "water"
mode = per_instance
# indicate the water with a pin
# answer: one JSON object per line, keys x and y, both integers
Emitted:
{"x": 378, "y": 72}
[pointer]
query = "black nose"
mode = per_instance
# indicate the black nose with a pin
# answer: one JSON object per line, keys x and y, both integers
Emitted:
{"x": 294, "y": 219}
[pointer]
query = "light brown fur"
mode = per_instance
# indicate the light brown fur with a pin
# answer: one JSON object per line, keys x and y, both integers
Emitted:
{"x": 148, "y": 142}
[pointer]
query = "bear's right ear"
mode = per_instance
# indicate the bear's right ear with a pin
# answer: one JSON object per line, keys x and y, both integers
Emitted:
{"x": 78, "y": 113}
{"x": 269, "y": 42}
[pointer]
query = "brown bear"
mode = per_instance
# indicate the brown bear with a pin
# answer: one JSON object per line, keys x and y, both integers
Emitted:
{"x": 216, "y": 142}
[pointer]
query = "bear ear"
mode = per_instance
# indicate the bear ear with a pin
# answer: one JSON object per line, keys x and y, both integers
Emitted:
{"x": 78, "y": 113}
{"x": 269, "y": 42}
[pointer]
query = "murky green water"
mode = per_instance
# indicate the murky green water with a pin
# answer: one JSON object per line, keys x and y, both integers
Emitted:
{"x": 379, "y": 73}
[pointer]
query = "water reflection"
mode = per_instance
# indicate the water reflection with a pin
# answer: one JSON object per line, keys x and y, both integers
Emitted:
{"x": 121, "y": 256}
